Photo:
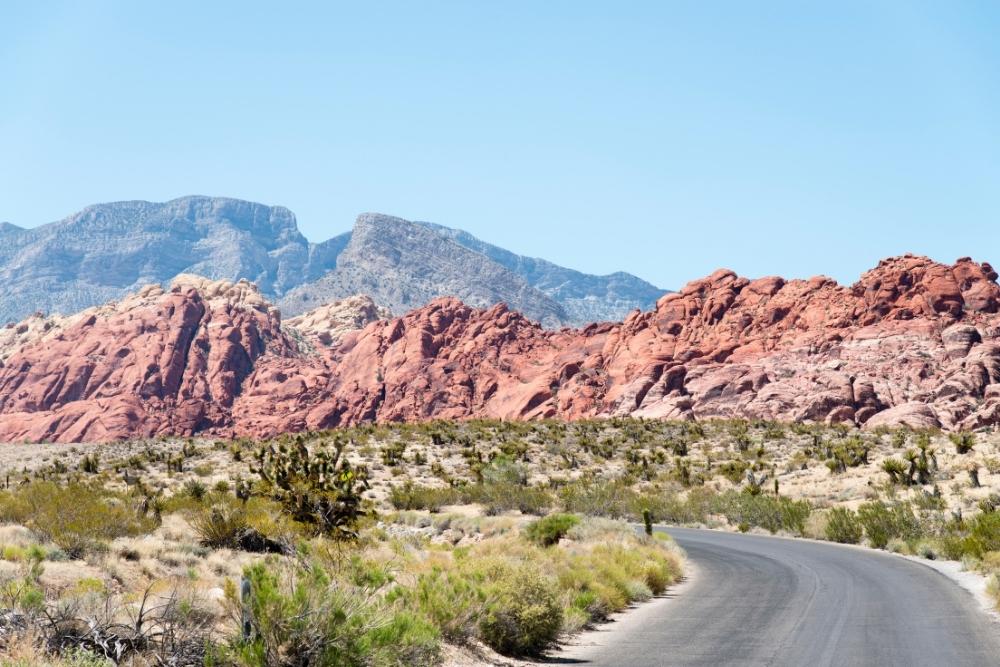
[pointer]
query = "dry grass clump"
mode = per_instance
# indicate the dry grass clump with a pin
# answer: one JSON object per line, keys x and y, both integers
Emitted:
{"x": 519, "y": 597}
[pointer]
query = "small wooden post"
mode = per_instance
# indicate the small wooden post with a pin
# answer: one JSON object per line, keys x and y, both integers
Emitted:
{"x": 245, "y": 600}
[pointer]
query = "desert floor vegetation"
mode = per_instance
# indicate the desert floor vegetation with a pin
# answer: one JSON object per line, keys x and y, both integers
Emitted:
{"x": 289, "y": 552}
{"x": 390, "y": 545}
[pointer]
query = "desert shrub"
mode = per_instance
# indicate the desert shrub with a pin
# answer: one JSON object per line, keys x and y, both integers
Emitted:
{"x": 257, "y": 525}
{"x": 500, "y": 497}
{"x": 956, "y": 545}
{"x": 599, "y": 497}
{"x": 990, "y": 503}
{"x": 203, "y": 469}
{"x": 77, "y": 518}
{"x": 616, "y": 499}
{"x": 964, "y": 441}
{"x": 504, "y": 471}
{"x": 759, "y": 510}
{"x": 303, "y": 615}
{"x": 734, "y": 471}
{"x": 897, "y": 471}
{"x": 929, "y": 501}
{"x": 524, "y": 616}
{"x": 607, "y": 567}
{"x": 634, "y": 572}
{"x": 410, "y": 496}
{"x": 90, "y": 463}
{"x": 221, "y": 526}
{"x": 89, "y": 626}
{"x": 842, "y": 526}
{"x": 882, "y": 523}
{"x": 993, "y": 588}
{"x": 503, "y": 486}
{"x": 660, "y": 572}
{"x": 670, "y": 507}
{"x": 549, "y": 530}
{"x": 452, "y": 601}
{"x": 195, "y": 489}
{"x": 984, "y": 534}
{"x": 974, "y": 538}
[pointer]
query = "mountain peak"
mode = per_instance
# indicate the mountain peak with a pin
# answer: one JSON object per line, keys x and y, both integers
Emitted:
{"x": 403, "y": 265}
{"x": 107, "y": 250}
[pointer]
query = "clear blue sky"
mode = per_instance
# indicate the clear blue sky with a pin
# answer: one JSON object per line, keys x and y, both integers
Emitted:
{"x": 666, "y": 139}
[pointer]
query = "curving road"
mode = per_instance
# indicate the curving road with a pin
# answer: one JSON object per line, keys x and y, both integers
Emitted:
{"x": 766, "y": 601}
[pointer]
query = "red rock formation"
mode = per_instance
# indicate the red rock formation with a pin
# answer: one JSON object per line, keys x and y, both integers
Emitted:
{"x": 912, "y": 341}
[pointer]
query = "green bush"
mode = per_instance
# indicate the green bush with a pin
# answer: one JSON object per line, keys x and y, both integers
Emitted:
{"x": 882, "y": 523}
{"x": 221, "y": 526}
{"x": 500, "y": 497}
{"x": 195, "y": 489}
{"x": 976, "y": 538}
{"x": 504, "y": 471}
{"x": 409, "y": 496}
{"x": 303, "y": 615}
{"x": 318, "y": 487}
{"x": 452, "y": 601}
{"x": 77, "y": 518}
{"x": 768, "y": 512}
{"x": 734, "y": 471}
{"x": 524, "y": 615}
{"x": 985, "y": 531}
{"x": 609, "y": 498}
{"x": 549, "y": 530}
{"x": 964, "y": 441}
{"x": 842, "y": 526}
{"x": 258, "y": 525}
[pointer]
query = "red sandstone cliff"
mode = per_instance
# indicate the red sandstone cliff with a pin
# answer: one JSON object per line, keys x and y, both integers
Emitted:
{"x": 912, "y": 341}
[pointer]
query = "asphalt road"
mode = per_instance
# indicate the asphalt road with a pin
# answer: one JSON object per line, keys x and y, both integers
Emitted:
{"x": 764, "y": 601}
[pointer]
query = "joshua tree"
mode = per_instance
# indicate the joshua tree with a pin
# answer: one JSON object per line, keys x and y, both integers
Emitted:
{"x": 964, "y": 441}
{"x": 974, "y": 476}
{"x": 754, "y": 485}
{"x": 320, "y": 487}
{"x": 896, "y": 470}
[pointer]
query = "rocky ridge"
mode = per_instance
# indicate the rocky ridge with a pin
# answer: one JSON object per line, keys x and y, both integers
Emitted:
{"x": 331, "y": 321}
{"x": 585, "y": 298}
{"x": 403, "y": 265}
{"x": 913, "y": 341}
{"x": 108, "y": 251}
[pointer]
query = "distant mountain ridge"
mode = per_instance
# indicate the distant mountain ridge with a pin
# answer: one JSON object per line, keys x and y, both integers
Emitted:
{"x": 107, "y": 251}
{"x": 403, "y": 265}
{"x": 586, "y": 298}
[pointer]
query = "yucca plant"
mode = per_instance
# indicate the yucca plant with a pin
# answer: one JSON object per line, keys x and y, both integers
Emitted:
{"x": 896, "y": 470}
{"x": 964, "y": 441}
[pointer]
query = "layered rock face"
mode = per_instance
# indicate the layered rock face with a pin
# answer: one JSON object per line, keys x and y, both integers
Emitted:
{"x": 911, "y": 342}
{"x": 328, "y": 323}
{"x": 159, "y": 362}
